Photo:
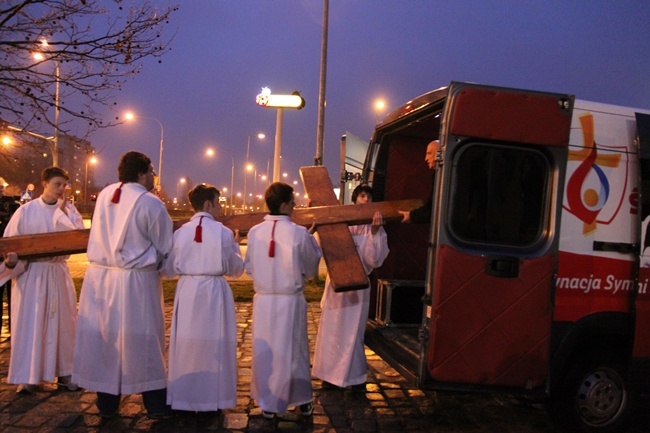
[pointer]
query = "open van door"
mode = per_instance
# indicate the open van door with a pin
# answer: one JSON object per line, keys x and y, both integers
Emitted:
{"x": 494, "y": 236}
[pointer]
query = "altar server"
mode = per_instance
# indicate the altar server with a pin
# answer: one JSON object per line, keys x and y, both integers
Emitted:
{"x": 44, "y": 301}
{"x": 279, "y": 257}
{"x": 339, "y": 355}
{"x": 120, "y": 342}
{"x": 203, "y": 338}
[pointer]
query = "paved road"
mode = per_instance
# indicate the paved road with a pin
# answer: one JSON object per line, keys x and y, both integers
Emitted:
{"x": 390, "y": 404}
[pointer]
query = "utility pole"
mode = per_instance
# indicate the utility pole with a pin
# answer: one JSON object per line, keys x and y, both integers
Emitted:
{"x": 318, "y": 159}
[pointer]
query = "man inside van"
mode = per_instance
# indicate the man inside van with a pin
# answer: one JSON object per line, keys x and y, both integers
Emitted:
{"x": 422, "y": 215}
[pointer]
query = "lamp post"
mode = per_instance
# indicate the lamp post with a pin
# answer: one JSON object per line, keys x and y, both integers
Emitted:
{"x": 248, "y": 166}
{"x": 48, "y": 140}
{"x": 93, "y": 161}
{"x": 180, "y": 186}
{"x": 210, "y": 152}
{"x": 55, "y": 145}
{"x": 131, "y": 116}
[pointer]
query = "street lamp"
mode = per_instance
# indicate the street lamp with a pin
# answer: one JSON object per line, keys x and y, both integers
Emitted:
{"x": 210, "y": 153}
{"x": 131, "y": 116}
{"x": 180, "y": 187}
{"x": 41, "y": 57}
{"x": 248, "y": 166}
{"x": 6, "y": 140}
{"x": 91, "y": 160}
{"x": 380, "y": 106}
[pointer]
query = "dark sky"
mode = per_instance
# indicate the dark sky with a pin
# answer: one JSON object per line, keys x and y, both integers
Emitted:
{"x": 224, "y": 52}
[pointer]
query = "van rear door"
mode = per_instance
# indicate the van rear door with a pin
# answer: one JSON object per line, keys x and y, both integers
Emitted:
{"x": 495, "y": 236}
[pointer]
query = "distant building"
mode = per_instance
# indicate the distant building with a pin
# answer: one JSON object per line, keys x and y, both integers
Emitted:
{"x": 21, "y": 163}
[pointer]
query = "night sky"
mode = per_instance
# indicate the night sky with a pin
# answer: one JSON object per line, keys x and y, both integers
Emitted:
{"x": 224, "y": 52}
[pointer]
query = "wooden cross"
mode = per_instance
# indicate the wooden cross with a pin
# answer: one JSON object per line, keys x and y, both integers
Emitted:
{"x": 341, "y": 258}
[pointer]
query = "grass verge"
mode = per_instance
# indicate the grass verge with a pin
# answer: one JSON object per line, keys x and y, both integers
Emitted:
{"x": 242, "y": 290}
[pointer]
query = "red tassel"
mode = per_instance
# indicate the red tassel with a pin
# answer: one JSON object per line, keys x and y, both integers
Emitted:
{"x": 272, "y": 244}
{"x": 198, "y": 235}
{"x": 117, "y": 193}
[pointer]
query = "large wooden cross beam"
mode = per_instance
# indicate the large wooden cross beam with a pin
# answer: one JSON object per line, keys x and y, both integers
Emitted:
{"x": 338, "y": 249}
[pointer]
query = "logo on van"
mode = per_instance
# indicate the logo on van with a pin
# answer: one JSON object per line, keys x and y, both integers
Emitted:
{"x": 590, "y": 195}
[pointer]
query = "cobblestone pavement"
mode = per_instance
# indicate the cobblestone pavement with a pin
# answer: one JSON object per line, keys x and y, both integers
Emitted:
{"x": 390, "y": 404}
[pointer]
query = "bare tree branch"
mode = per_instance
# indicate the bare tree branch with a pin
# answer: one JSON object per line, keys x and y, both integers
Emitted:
{"x": 95, "y": 46}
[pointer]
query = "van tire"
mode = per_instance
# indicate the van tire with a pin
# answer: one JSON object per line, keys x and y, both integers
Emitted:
{"x": 594, "y": 398}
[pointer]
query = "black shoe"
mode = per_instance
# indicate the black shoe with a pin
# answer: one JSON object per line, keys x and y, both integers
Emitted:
{"x": 329, "y": 385}
{"x": 167, "y": 414}
{"x": 268, "y": 415}
{"x": 307, "y": 409}
{"x": 107, "y": 415}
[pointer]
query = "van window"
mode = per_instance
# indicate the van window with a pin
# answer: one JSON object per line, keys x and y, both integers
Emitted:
{"x": 499, "y": 195}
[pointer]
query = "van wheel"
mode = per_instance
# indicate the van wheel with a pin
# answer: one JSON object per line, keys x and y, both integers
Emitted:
{"x": 594, "y": 399}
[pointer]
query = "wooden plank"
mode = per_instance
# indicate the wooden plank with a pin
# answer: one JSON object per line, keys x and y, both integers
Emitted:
{"x": 46, "y": 244}
{"x": 352, "y": 214}
{"x": 343, "y": 263}
{"x": 76, "y": 241}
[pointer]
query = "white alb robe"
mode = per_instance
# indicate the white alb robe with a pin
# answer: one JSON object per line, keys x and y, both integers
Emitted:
{"x": 203, "y": 338}
{"x": 281, "y": 376}
{"x": 43, "y": 300}
{"x": 339, "y": 355}
{"x": 120, "y": 342}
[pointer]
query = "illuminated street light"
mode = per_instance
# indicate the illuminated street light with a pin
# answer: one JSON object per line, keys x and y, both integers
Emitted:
{"x": 266, "y": 99}
{"x": 210, "y": 152}
{"x": 180, "y": 188}
{"x": 380, "y": 106}
{"x": 248, "y": 166}
{"x": 131, "y": 116}
{"x": 39, "y": 56}
{"x": 92, "y": 160}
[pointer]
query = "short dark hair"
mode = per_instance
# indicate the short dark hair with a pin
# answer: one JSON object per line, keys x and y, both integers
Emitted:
{"x": 276, "y": 194}
{"x": 364, "y": 187}
{"x": 52, "y": 172}
{"x": 200, "y": 194}
{"x": 133, "y": 164}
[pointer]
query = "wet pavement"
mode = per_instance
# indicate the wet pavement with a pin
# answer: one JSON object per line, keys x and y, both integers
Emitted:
{"x": 389, "y": 404}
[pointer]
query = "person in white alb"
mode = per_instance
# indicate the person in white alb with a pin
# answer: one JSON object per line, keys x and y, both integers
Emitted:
{"x": 202, "y": 362}
{"x": 339, "y": 355}
{"x": 44, "y": 301}
{"x": 120, "y": 342}
{"x": 279, "y": 256}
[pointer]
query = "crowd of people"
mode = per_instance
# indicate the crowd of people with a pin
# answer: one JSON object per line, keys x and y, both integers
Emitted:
{"x": 114, "y": 342}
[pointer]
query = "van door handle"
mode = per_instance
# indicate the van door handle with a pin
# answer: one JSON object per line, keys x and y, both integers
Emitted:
{"x": 503, "y": 266}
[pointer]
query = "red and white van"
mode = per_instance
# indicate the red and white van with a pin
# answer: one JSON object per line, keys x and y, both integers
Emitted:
{"x": 532, "y": 268}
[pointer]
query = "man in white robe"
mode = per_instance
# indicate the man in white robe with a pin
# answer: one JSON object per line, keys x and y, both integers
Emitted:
{"x": 44, "y": 301}
{"x": 279, "y": 257}
{"x": 339, "y": 355}
{"x": 120, "y": 341}
{"x": 202, "y": 363}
